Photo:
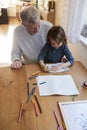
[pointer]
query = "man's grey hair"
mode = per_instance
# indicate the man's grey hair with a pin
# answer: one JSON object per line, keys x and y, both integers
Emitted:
{"x": 29, "y": 14}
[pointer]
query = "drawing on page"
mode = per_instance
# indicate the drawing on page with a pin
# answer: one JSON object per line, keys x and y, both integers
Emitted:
{"x": 81, "y": 120}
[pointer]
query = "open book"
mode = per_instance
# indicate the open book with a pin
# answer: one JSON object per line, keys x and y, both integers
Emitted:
{"x": 56, "y": 84}
{"x": 56, "y": 64}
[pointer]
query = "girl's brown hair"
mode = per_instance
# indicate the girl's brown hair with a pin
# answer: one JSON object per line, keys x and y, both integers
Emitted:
{"x": 57, "y": 34}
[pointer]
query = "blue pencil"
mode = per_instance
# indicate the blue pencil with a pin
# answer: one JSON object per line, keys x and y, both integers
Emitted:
{"x": 42, "y": 83}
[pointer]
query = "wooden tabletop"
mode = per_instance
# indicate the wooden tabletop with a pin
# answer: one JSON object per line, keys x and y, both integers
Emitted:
{"x": 13, "y": 91}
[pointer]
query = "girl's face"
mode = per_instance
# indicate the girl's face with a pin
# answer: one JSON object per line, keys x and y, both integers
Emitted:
{"x": 55, "y": 44}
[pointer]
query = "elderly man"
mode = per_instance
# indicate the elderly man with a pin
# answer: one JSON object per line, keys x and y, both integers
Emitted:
{"x": 29, "y": 37}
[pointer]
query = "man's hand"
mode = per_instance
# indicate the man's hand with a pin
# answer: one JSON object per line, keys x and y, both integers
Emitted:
{"x": 16, "y": 64}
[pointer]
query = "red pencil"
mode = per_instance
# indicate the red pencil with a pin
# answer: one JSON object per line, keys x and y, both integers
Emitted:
{"x": 38, "y": 103}
{"x": 56, "y": 118}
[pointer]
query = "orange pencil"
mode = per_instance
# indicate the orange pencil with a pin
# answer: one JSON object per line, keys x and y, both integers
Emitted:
{"x": 36, "y": 73}
{"x": 35, "y": 107}
{"x": 20, "y": 113}
{"x": 38, "y": 103}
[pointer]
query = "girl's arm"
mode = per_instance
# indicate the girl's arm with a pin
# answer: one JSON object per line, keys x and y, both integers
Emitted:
{"x": 43, "y": 65}
{"x": 42, "y": 56}
{"x": 69, "y": 62}
{"x": 68, "y": 55}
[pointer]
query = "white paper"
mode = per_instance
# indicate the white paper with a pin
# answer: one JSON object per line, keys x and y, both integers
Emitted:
{"x": 56, "y": 64}
{"x": 62, "y": 85}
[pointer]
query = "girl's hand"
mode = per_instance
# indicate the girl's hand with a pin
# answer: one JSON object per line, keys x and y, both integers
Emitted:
{"x": 45, "y": 68}
{"x": 64, "y": 60}
{"x": 56, "y": 68}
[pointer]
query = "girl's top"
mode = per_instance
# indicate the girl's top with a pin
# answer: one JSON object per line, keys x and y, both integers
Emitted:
{"x": 51, "y": 55}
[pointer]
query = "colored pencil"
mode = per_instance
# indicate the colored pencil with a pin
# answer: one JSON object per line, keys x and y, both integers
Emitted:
{"x": 20, "y": 113}
{"x": 38, "y": 103}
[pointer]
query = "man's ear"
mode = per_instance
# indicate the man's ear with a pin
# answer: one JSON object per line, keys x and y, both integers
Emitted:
{"x": 24, "y": 23}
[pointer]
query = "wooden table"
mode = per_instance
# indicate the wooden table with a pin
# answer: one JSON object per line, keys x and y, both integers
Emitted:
{"x": 13, "y": 91}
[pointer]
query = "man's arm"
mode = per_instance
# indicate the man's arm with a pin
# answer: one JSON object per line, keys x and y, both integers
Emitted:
{"x": 15, "y": 53}
{"x": 16, "y": 64}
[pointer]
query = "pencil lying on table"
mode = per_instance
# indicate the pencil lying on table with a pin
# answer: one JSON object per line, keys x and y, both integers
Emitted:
{"x": 63, "y": 123}
{"x": 31, "y": 94}
{"x": 56, "y": 118}
{"x": 36, "y": 73}
{"x": 21, "y": 112}
{"x": 28, "y": 88}
{"x": 32, "y": 77}
{"x": 35, "y": 107}
{"x": 38, "y": 103}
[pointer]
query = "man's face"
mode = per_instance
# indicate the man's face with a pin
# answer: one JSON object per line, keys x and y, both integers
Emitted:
{"x": 32, "y": 28}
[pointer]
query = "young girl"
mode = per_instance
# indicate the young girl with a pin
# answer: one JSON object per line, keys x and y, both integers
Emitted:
{"x": 55, "y": 49}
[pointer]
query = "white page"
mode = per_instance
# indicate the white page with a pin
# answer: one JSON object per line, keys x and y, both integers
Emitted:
{"x": 62, "y": 85}
{"x": 74, "y": 114}
{"x": 56, "y": 64}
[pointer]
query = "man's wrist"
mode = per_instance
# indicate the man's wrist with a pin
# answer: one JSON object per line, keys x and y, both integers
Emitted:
{"x": 16, "y": 61}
